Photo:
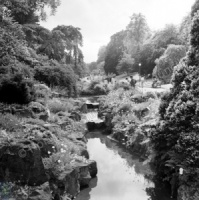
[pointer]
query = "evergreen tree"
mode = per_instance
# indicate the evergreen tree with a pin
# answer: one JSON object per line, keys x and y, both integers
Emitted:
{"x": 176, "y": 138}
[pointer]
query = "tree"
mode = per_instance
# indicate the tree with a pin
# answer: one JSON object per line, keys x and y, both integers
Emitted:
{"x": 176, "y": 138}
{"x": 169, "y": 35}
{"x": 72, "y": 39}
{"x": 184, "y": 30}
{"x": 114, "y": 52}
{"x": 63, "y": 43}
{"x": 137, "y": 31}
{"x": 125, "y": 64}
{"x": 101, "y": 54}
{"x": 28, "y": 11}
{"x": 166, "y": 63}
{"x": 155, "y": 46}
{"x": 13, "y": 47}
{"x": 195, "y": 8}
{"x": 194, "y": 38}
{"x": 148, "y": 55}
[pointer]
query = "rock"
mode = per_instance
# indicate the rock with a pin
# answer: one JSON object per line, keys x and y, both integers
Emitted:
{"x": 75, "y": 116}
{"x": 42, "y": 192}
{"x": 92, "y": 105}
{"x": 84, "y": 175}
{"x": 24, "y": 113}
{"x": 91, "y": 126}
{"x": 39, "y": 111}
{"x": 108, "y": 119}
{"x": 95, "y": 125}
{"x": 84, "y": 153}
{"x": 66, "y": 182}
{"x": 100, "y": 125}
{"x": 92, "y": 168}
{"x": 21, "y": 161}
{"x": 84, "y": 108}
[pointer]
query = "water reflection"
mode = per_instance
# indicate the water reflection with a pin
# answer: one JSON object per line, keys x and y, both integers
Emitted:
{"x": 117, "y": 178}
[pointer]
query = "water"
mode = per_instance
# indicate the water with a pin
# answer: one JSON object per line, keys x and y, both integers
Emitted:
{"x": 120, "y": 176}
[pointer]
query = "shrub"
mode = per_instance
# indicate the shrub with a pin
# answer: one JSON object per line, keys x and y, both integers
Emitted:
{"x": 61, "y": 76}
{"x": 125, "y": 86}
{"x": 151, "y": 95}
{"x": 42, "y": 93}
{"x": 56, "y": 106}
{"x": 16, "y": 89}
{"x": 9, "y": 122}
{"x": 95, "y": 88}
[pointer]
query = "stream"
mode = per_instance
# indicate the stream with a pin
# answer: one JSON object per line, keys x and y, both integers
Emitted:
{"x": 120, "y": 175}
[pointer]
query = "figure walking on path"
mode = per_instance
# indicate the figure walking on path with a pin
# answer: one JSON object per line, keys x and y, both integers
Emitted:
{"x": 142, "y": 81}
{"x": 132, "y": 81}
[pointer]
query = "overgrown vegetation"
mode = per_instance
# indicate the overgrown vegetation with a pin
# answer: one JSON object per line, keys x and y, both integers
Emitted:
{"x": 16, "y": 89}
{"x": 125, "y": 113}
{"x": 176, "y": 138}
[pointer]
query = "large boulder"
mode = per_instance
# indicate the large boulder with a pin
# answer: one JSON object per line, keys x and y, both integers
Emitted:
{"x": 21, "y": 161}
{"x": 84, "y": 108}
{"x": 39, "y": 111}
{"x": 84, "y": 174}
{"x": 65, "y": 182}
{"x": 92, "y": 166}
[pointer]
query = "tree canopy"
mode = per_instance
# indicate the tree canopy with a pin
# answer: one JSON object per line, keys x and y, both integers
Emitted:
{"x": 25, "y": 45}
{"x": 28, "y": 11}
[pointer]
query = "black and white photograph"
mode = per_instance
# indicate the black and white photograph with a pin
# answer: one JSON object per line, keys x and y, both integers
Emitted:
{"x": 99, "y": 99}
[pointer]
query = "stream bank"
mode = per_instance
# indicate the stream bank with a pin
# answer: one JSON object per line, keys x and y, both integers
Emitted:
{"x": 121, "y": 175}
{"x": 128, "y": 117}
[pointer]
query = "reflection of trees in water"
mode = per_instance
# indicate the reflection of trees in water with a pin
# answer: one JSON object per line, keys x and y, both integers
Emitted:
{"x": 159, "y": 192}
{"x": 85, "y": 193}
{"x": 131, "y": 160}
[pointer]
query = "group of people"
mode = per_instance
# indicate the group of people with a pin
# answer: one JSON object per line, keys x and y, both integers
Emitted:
{"x": 133, "y": 81}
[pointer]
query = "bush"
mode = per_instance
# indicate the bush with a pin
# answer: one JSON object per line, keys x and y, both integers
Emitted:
{"x": 9, "y": 122}
{"x": 95, "y": 88}
{"x": 61, "y": 76}
{"x": 56, "y": 106}
{"x": 16, "y": 89}
{"x": 125, "y": 86}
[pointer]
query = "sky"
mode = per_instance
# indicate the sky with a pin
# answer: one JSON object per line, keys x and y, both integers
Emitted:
{"x": 99, "y": 19}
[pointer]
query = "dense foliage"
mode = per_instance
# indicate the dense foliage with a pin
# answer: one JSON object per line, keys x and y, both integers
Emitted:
{"x": 53, "y": 57}
{"x": 63, "y": 77}
{"x": 176, "y": 136}
{"x": 114, "y": 52}
{"x": 138, "y": 44}
{"x": 166, "y": 63}
{"x": 26, "y": 12}
{"x": 16, "y": 89}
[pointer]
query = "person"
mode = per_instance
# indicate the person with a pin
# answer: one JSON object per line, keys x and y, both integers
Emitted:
{"x": 132, "y": 81}
{"x": 142, "y": 81}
